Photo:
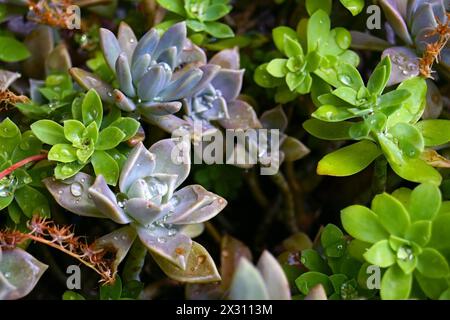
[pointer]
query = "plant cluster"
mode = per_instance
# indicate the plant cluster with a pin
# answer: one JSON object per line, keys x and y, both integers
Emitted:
{"x": 92, "y": 134}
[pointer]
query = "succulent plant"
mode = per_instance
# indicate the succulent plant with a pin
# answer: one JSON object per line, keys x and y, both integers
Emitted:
{"x": 312, "y": 53}
{"x": 153, "y": 74}
{"x": 406, "y": 233}
{"x": 19, "y": 190}
{"x": 19, "y": 273}
{"x": 266, "y": 281}
{"x": 163, "y": 218}
{"x": 415, "y": 23}
{"x": 390, "y": 120}
{"x": 354, "y": 6}
{"x": 85, "y": 139}
{"x": 200, "y": 15}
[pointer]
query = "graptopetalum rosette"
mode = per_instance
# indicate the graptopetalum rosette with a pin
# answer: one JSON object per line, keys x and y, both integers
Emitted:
{"x": 164, "y": 218}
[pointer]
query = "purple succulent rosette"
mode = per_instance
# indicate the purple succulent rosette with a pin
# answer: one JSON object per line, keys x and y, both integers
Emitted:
{"x": 153, "y": 74}
{"x": 164, "y": 218}
{"x": 218, "y": 104}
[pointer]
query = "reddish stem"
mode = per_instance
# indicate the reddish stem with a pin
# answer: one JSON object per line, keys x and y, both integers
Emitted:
{"x": 21, "y": 163}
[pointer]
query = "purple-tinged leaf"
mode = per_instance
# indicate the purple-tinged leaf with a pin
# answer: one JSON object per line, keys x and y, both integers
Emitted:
{"x": 242, "y": 116}
{"x": 124, "y": 75}
{"x": 19, "y": 273}
{"x": 127, "y": 40}
{"x": 229, "y": 83}
{"x": 276, "y": 282}
{"x": 274, "y": 119}
{"x": 140, "y": 164}
{"x": 173, "y": 247}
{"x": 89, "y": 81}
{"x": 73, "y": 194}
{"x": 110, "y": 47}
{"x": 227, "y": 59}
{"x": 106, "y": 201}
{"x": 200, "y": 267}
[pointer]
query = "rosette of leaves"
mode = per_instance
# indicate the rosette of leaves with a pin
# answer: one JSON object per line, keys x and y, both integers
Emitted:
{"x": 151, "y": 79}
{"x": 406, "y": 234}
{"x": 332, "y": 265}
{"x": 218, "y": 104}
{"x": 19, "y": 191}
{"x": 87, "y": 138}
{"x": 287, "y": 148}
{"x": 200, "y": 15}
{"x": 19, "y": 273}
{"x": 312, "y": 54}
{"x": 165, "y": 219}
{"x": 50, "y": 98}
{"x": 382, "y": 123}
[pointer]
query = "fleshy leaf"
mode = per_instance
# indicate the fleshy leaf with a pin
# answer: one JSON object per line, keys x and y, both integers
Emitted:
{"x": 248, "y": 283}
{"x": 200, "y": 267}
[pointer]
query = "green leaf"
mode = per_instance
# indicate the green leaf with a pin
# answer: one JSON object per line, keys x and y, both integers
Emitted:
{"x": 314, "y": 262}
{"x": 349, "y": 160}
{"x": 363, "y": 224}
{"x": 309, "y": 280}
{"x": 279, "y": 34}
{"x": 72, "y": 295}
{"x": 425, "y": 202}
{"x": 106, "y": 166}
{"x": 10, "y": 137}
{"x": 413, "y": 107}
{"x": 73, "y": 130}
{"x": 5, "y": 201}
{"x": 395, "y": 284}
{"x": 111, "y": 291}
{"x": 328, "y": 130}
{"x": 393, "y": 98}
{"x": 349, "y": 76}
{"x": 85, "y": 153}
{"x": 66, "y": 170}
{"x": 330, "y": 235}
{"x": 29, "y": 146}
{"x": 432, "y": 264}
{"x": 8, "y": 129}
{"x": 440, "y": 237}
{"x": 419, "y": 232}
{"x": 248, "y": 283}
{"x": 445, "y": 295}
{"x": 109, "y": 138}
{"x": 294, "y": 80}
{"x": 14, "y": 212}
{"x": 277, "y": 68}
{"x": 62, "y": 153}
{"x": 92, "y": 109}
{"x": 417, "y": 170}
{"x": 12, "y": 50}
{"x": 380, "y": 254}
{"x": 347, "y": 94}
{"x": 354, "y": 6}
{"x": 318, "y": 29}
{"x": 330, "y": 113}
{"x": 435, "y": 132}
{"x": 391, "y": 213}
{"x": 215, "y": 12}
{"x": 49, "y": 132}
{"x": 264, "y": 79}
{"x": 313, "y": 61}
{"x": 195, "y": 25}
{"x": 219, "y": 30}
{"x": 376, "y": 83}
{"x": 91, "y": 133}
{"x": 409, "y": 139}
{"x": 291, "y": 47}
{"x": 176, "y": 6}
{"x": 433, "y": 288}
{"x": 314, "y": 5}
{"x": 32, "y": 202}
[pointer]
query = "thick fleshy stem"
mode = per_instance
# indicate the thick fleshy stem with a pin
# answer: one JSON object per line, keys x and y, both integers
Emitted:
{"x": 21, "y": 163}
{"x": 283, "y": 185}
{"x": 252, "y": 180}
{"x": 135, "y": 262}
{"x": 379, "y": 176}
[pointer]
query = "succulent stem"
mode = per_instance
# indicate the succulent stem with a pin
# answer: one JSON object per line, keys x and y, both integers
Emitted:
{"x": 283, "y": 185}
{"x": 21, "y": 163}
{"x": 379, "y": 176}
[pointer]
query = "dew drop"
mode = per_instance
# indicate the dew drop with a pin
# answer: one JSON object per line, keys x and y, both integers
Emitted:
{"x": 161, "y": 240}
{"x": 76, "y": 189}
{"x": 345, "y": 79}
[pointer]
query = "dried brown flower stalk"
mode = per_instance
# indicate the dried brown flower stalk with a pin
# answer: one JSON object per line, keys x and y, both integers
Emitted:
{"x": 50, "y": 12}
{"x": 9, "y": 98}
{"x": 63, "y": 239}
{"x": 433, "y": 50}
